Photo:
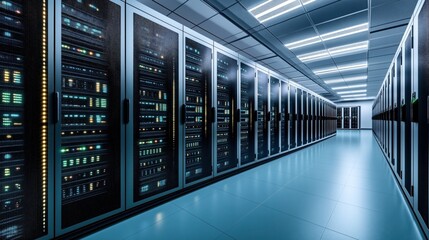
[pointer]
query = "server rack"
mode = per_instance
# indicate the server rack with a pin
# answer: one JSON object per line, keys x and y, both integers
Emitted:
{"x": 25, "y": 150}
{"x": 199, "y": 113}
{"x": 89, "y": 85}
{"x": 226, "y": 72}
{"x": 313, "y": 118}
{"x": 274, "y": 115}
{"x": 406, "y": 120}
{"x": 396, "y": 160}
{"x": 153, "y": 70}
{"x": 346, "y": 123}
{"x": 421, "y": 75}
{"x": 402, "y": 106}
{"x": 339, "y": 117}
{"x": 284, "y": 116}
{"x": 248, "y": 118}
{"x": 299, "y": 117}
{"x": 292, "y": 119}
{"x": 304, "y": 118}
{"x": 263, "y": 117}
{"x": 355, "y": 117}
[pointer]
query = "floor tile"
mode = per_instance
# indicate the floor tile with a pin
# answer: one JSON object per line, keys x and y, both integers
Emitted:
{"x": 136, "y": 223}
{"x": 316, "y": 187}
{"x": 266, "y": 223}
{"x": 248, "y": 188}
{"x": 312, "y": 208}
{"x": 178, "y": 226}
{"x": 220, "y": 209}
{"x": 331, "y": 235}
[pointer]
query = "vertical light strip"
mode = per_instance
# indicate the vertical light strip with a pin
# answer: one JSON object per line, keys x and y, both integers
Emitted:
{"x": 44, "y": 115}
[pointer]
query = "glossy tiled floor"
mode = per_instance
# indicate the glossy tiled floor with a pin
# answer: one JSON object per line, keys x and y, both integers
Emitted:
{"x": 340, "y": 188}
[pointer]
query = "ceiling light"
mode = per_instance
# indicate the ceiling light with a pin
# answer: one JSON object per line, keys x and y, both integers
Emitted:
{"x": 342, "y": 68}
{"x": 354, "y": 95}
{"x": 349, "y": 79}
{"x": 273, "y": 8}
{"x": 328, "y": 36}
{"x": 335, "y": 52}
{"x": 353, "y": 91}
{"x": 358, "y": 98}
{"x": 350, "y": 86}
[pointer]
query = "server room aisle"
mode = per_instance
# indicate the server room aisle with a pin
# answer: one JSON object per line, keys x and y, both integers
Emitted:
{"x": 341, "y": 188}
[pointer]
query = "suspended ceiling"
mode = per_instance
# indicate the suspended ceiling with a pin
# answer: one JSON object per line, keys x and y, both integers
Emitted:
{"x": 231, "y": 23}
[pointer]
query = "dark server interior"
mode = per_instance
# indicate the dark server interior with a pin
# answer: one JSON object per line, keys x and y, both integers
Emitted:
{"x": 247, "y": 131}
{"x": 292, "y": 118}
{"x": 304, "y": 117}
{"x": 284, "y": 116}
{"x": 299, "y": 117}
{"x": 156, "y": 65}
{"x": 400, "y": 115}
{"x": 199, "y": 113}
{"x": 23, "y": 128}
{"x": 274, "y": 115}
{"x": 263, "y": 117}
{"x": 226, "y": 113}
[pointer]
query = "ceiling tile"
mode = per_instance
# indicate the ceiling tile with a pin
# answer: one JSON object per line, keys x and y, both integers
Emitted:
{"x": 337, "y": 10}
{"x": 195, "y": 11}
{"x": 220, "y": 27}
{"x": 245, "y": 43}
{"x": 155, "y": 6}
{"x": 171, "y": 4}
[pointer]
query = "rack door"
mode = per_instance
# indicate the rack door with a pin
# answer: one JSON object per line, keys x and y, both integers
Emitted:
{"x": 304, "y": 117}
{"x": 154, "y": 128}
{"x": 355, "y": 118}
{"x": 274, "y": 115}
{"x": 406, "y": 120}
{"x": 313, "y": 118}
{"x": 292, "y": 119}
{"x": 199, "y": 114}
{"x": 284, "y": 129}
{"x": 339, "y": 118}
{"x": 226, "y": 130}
{"x": 23, "y": 120}
{"x": 299, "y": 117}
{"x": 263, "y": 80}
{"x": 89, "y": 144}
{"x": 346, "y": 117}
{"x": 247, "y": 131}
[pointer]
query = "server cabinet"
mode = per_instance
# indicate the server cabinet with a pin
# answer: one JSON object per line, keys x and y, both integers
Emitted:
{"x": 392, "y": 120}
{"x": 292, "y": 114}
{"x": 90, "y": 89}
{"x": 153, "y": 87}
{"x": 313, "y": 118}
{"x": 388, "y": 119}
{"x": 422, "y": 74}
{"x": 310, "y": 118}
{"x": 274, "y": 115}
{"x": 227, "y": 121}
{"x": 355, "y": 117}
{"x": 406, "y": 118}
{"x": 284, "y": 116}
{"x": 299, "y": 117}
{"x": 247, "y": 125}
{"x": 339, "y": 117}
{"x": 399, "y": 92}
{"x": 396, "y": 113}
{"x": 199, "y": 114}
{"x": 24, "y": 140}
{"x": 263, "y": 80}
{"x": 346, "y": 123}
{"x": 304, "y": 118}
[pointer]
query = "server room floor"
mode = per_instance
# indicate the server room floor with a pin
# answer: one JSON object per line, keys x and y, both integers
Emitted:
{"x": 341, "y": 188}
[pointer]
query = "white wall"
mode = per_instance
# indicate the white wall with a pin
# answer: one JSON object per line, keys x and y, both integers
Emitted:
{"x": 365, "y": 109}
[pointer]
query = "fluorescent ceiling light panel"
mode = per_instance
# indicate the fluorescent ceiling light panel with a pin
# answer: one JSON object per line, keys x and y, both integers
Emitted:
{"x": 328, "y": 36}
{"x": 354, "y": 95}
{"x": 349, "y": 79}
{"x": 335, "y": 52}
{"x": 342, "y": 68}
{"x": 353, "y": 91}
{"x": 358, "y": 98}
{"x": 273, "y": 8}
{"x": 350, "y": 86}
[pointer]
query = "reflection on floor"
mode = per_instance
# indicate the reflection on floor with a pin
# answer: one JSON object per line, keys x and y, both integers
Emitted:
{"x": 341, "y": 188}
